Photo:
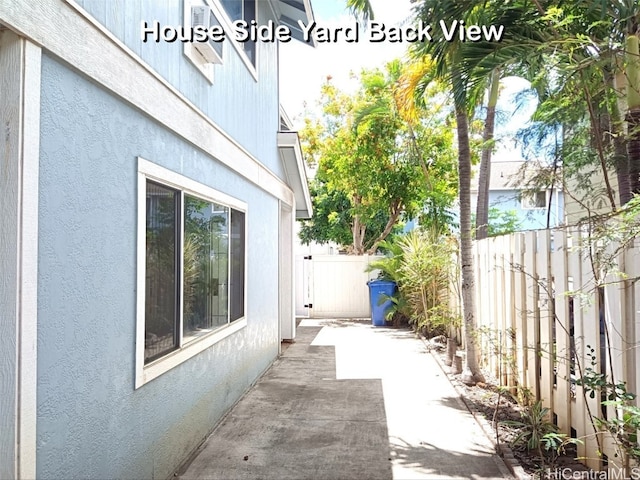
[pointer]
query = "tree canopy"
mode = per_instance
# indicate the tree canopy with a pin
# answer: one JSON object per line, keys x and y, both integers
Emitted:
{"x": 375, "y": 167}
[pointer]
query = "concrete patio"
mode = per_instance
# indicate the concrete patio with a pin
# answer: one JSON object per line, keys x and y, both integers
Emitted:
{"x": 349, "y": 401}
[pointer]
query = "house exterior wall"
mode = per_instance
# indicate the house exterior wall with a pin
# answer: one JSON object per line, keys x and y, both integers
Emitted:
{"x": 92, "y": 423}
{"x": 530, "y": 219}
{"x": 240, "y": 105}
{"x": 590, "y": 197}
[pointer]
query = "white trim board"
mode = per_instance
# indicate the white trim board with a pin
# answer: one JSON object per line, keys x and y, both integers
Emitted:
{"x": 286, "y": 274}
{"x": 70, "y": 33}
{"x": 20, "y": 67}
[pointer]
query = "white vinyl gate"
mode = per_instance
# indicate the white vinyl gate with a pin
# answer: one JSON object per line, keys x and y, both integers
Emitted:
{"x": 333, "y": 286}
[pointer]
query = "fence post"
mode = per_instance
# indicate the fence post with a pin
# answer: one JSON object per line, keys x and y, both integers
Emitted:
{"x": 533, "y": 315}
{"x": 562, "y": 398}
{"x": 491, "y": 296}
{"x": 520, "y": 307}
{"x": 632, "y": 324}
{"x": 545, "y": 317}
{"x": 483, "y": 315}
{"x": 588, "y": 332}
{"x": 505, "y": 308}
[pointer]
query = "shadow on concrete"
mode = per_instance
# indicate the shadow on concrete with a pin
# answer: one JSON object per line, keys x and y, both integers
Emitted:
{"x": 300, "y": 422}
{"x": 346, "y": 322}
{"x": 433, "y": 462}
{"x": 453, "y": 402}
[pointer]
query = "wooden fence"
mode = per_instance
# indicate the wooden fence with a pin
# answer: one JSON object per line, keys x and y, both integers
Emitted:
{"x": 543, "y": 319}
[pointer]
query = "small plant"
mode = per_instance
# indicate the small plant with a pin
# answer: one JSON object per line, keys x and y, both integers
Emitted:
{"x": 389, "y": 265}
{"x": 554, "y": 445}
{"x": 537, "y": 433}
{"x": 534, "y": 428}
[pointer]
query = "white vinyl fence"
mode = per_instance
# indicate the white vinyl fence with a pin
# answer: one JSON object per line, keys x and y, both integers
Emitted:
{"x": 540, "y": 313}
{"x": 333, "y": 286}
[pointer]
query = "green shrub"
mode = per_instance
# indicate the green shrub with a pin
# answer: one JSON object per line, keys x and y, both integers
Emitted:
{"x": 421, "y": 263}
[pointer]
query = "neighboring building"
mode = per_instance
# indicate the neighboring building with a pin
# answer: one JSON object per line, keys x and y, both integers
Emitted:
{"x": 589, "y": 193}
{"x": 147, "y": 206}
{"x": 510, "y": 190}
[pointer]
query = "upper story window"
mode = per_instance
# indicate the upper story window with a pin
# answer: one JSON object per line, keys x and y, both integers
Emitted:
{"x": 243, "y": 10}
{"x": 534, "y": 200}
{"x": 220, "y": 14}
{"x": 191, "y": 269}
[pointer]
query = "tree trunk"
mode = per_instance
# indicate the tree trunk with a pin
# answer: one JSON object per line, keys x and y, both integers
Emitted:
{"x": 620, "y": 158}
{"x": 482, "y": 208}
{"x": 598, "y": 143}
{"x": 452, "y": 348}
{"x": 633, "y": 115}
{"x": 394, "y": 213}
{"x": 633, "y": 150}
{"x": 472, "y": 372}
{"x": 358, "y": 230}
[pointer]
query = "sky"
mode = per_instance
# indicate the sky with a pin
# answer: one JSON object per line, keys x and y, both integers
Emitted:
{"x": 303, "y": 69}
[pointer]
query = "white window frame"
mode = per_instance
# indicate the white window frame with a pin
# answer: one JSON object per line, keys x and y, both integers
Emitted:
{"x": 148, "y": 170}
{"x": 189, "y": 50}
{"x": 526, "y": 200}
{"x": 227, "y": 24}
{"x": 207, "y": 69}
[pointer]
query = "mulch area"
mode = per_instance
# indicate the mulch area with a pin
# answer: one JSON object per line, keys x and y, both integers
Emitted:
{"x": 482, "y": 400}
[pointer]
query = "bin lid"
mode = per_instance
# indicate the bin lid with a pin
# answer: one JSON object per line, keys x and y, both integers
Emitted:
{"x": 381, "y": 282}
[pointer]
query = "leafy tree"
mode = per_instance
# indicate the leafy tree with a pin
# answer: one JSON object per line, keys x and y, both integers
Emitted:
{"x": 502, "y": 222}
{"x": 581, "y": 44}
{"x": 590, "y": 48}
{"x": 332, "y": 217}
{"x": 368, "y": 155}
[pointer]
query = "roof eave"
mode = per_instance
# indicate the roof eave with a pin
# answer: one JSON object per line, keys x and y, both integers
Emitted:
{"x": 293, "y": 162}
{"x": 290, "y": 12}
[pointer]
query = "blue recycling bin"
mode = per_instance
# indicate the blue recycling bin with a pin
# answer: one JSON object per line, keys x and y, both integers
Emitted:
{"x": 379, "y": 308}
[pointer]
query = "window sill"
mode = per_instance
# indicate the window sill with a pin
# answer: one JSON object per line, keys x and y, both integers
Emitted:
{"x": 205, "y": 69}
{"x": 146, "y": 373}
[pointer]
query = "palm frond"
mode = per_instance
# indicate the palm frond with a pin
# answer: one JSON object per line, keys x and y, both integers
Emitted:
{"x": 361, "y": 9}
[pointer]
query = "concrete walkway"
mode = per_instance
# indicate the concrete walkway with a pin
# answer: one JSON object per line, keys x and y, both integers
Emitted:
{"x": 349, "y": 401}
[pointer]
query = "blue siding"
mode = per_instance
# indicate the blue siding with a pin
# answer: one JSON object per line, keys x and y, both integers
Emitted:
{"x": 236, "y": 102}
{"x": 91, "y": 421}
{"x": 529, "y": 219}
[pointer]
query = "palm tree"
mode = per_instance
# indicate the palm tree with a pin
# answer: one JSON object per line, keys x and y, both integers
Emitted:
{"x": 472, "y": 373}
{"x": 468, "y": 67}
{"x": 361, "y": 9}
{"x": 587, "y": 40}
{"x": 484, "y": 175}
{"x": 449, "y": 65}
